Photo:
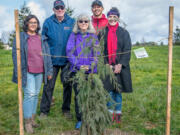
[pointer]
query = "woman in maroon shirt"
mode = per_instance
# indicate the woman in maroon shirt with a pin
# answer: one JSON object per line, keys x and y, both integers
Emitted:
{"x": 34, "y": 67}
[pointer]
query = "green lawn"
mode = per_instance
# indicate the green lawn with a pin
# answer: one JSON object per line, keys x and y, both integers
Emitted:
{"x": 144, "y": 111}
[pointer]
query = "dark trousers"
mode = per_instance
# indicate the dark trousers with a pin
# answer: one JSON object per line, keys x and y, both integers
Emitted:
{"x": 78, "y": 114}
{"x": 48, "y": 93}
{"x": 76, "y": 91}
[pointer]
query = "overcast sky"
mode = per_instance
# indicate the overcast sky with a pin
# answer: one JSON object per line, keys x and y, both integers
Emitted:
{"x": 146, "y": 19}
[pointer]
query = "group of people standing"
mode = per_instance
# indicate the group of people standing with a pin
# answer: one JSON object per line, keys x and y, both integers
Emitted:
{"x": 63, "y": 39}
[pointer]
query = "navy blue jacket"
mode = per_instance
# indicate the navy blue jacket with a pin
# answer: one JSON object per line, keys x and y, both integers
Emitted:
{"x": 58, "y": 34}
{"x": 48, "y": 68}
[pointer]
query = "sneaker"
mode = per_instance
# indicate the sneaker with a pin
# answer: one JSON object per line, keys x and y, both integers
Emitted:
{"x": 67, "y": 114}
{"x": 118, "y": 117}
{"x": 28, "y": 126}
{"x": 78, "y": 125}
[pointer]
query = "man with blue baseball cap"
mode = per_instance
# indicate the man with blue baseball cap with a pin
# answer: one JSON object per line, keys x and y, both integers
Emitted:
{"x": 57, "y": 28}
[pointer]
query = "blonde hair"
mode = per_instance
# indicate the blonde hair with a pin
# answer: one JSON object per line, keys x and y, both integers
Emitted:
{"x": 76, "y": 28}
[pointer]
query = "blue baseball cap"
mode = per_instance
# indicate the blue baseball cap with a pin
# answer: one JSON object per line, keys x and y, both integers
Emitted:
{"x": 59, "y": 3}
{"x": 97, "y": 2}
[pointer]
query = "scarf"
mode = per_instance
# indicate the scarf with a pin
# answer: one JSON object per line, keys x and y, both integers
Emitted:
{"x": 112, "y": 43}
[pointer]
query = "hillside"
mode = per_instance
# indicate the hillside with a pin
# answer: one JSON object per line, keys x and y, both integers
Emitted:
{"x": 144, "y": 111}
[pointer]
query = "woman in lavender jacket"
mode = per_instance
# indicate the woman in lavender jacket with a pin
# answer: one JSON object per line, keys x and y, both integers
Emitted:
{"x": 82, "y": 37}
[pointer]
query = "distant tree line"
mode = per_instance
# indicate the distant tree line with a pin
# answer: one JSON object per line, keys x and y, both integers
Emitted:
{"x": 150, "y": 43}
{"x": 176, "y": 40}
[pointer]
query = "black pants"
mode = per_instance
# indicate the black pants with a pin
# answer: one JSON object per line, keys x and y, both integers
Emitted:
{"x": 48, "y": 93}
{"x": 78, "y": 114}
{"x": 76, "y": 91}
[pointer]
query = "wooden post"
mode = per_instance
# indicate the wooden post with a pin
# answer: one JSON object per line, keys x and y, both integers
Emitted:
{"x": 169, "y": 82}
{"x": 18, "y": 48}
{"x": 88, "y": 129}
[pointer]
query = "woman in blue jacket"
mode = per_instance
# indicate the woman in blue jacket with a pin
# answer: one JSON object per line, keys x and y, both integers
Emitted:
{"x": 35, "y": 67}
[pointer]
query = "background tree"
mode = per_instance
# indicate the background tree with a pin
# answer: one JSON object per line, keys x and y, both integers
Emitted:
{"x": 23, "y": 13}
{"x": 11, "y": 38}
{"x": 137, "y": 43}
{"x": 1, "y": 44}
{"x": 161, "y": 43}
{"x": 69, "y": 11}
{"x": 5, "y": 37}
{"x": 143, "y": 41}
{"x": 177, "y": 36}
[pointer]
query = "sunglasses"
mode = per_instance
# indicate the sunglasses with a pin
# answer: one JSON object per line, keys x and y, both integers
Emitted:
{"x": 59, "y": 7}
{"x": 32, "y": 23}
{"x": 85, "y": 21}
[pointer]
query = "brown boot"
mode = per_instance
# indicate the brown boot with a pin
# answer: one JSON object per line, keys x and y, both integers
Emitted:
{"x": 34, "y": 124}
{"x": 28, "y": 126}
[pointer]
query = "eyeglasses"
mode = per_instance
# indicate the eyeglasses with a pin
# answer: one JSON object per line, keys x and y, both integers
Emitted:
{"x": 32, "y": 23}
{"x": 85, "y": 21}
{"x": 59, "y": 7}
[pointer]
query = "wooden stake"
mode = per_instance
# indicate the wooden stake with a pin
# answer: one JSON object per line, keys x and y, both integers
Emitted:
{"x": 18, "y": 51}
{"x": 169, "y": 82}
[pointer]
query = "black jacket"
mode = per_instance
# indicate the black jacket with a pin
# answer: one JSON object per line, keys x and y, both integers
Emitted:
{"x": 123, "y": 46}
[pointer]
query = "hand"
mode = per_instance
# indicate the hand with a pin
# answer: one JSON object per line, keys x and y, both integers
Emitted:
{"x": 110, "y": 66}
{"x": 85, "y": 67}
{"x": 49, "y": 77}
{"x": 118, "y": 68}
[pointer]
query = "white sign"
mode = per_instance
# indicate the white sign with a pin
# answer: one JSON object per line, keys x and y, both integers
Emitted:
{"x": 141, "y": 53}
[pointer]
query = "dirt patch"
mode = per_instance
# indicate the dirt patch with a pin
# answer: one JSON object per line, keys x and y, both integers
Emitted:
{"x": 149, "y": 125}
{"x": 117, "y": 132}
{"x": 73, "y": 132}
{"x": 107, "y": 132}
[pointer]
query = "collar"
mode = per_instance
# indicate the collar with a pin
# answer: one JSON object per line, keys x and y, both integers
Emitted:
{"x": 56, "y": 20}
{"x": 102, "y": 17}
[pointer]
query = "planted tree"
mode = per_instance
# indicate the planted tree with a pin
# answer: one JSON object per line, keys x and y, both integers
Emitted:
{"x": 92, "y": 97}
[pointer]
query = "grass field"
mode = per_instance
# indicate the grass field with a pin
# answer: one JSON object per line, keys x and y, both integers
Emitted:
{"x": 144, "y": 111}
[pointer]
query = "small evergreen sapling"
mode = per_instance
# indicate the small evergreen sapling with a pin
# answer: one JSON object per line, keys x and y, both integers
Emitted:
{"x": 92, "y": 97}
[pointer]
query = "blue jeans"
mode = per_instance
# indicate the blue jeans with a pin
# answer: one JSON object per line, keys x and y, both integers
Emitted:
{"x": 116, "y": 101}
{"x": 31, "y": 92}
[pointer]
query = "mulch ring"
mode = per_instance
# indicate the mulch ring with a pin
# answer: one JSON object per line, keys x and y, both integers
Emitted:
{"x": 107, "y": 132}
